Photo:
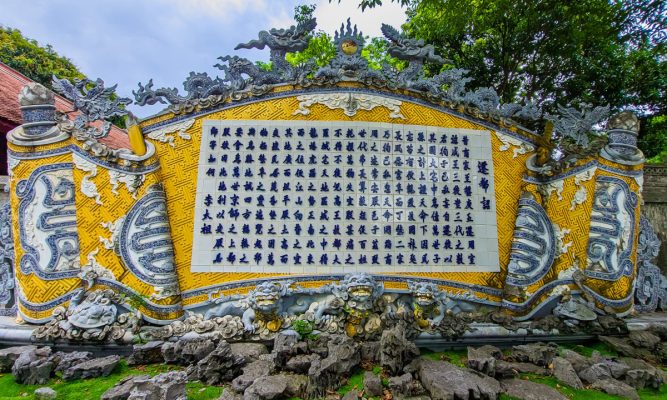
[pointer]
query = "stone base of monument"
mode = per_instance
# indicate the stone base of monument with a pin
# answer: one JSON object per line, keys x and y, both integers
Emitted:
{"x": 14, "y": 333}
{"x": 317, "y": 365}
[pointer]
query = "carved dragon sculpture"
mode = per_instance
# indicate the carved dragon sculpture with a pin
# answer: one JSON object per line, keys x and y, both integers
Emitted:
{"x": 238, "y": 66}
{"x": 281, "y": 42}
{"x": 411, "y": 50}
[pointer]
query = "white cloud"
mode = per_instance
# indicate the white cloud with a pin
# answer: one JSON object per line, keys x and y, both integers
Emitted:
{"x": 330, "y": 15}
{"x": 224, "y": 9}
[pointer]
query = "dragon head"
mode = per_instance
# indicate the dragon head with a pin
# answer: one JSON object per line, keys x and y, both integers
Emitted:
{"x": 267, "y": 296}
{"x": 423, "y": 293}
{"x": 360, "y": 287}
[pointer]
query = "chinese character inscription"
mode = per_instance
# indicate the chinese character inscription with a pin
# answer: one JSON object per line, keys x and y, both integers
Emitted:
{"x": 337, "y": 197}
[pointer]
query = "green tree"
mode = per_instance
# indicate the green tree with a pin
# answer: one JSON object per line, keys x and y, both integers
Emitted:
{"x": 320, "y": 47}
{"x": 39, "y": 63}
{"x": 32, "y": 60}
{"x": 653, "y": 142}
{"x": 375, "y": 51}
{"x": 600, "y": 52}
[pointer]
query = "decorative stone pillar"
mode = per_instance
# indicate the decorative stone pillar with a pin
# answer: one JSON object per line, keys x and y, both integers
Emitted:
{"x": 622, "y": 132}
{"x": 38, "y": 109}
{"x": 39, "y": 118}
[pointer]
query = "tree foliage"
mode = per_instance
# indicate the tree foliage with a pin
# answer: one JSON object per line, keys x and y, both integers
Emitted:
{"x": 32, "y": 60}
{"x": 39, "y": 63}
{"x": 551, "y": 52}
{"x": 654, "y": 140}
{"x": 320, "y": 47}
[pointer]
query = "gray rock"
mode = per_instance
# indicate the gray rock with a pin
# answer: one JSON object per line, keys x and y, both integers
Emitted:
{"x": 565, "y": 373}
{"x": 644, "y": 339}
{"x": 285, "y": 346}
{"x": 537, "y": 353}
{"x": 401, "y": 384}
{"x": 149, "y": 353}
{"x": 9, "y": 355}
{"x": 301, "y": 363}
{"x": 296, "y": 384}
{"x": 621, "y": 345}
{"x": 527, "y": 390}
{"x": 249, "y": 351}
{"x": 617, "y": 388}
{"x": 318, "y": 345}
{"x": 276, "y": 387}
{"x": 370, "y": 351}
{"x": 64, "y": 361}
{"x": 413, "y": 367}
{"x": 187, "y": 351}
{"x": 351, "y": 395}
{"x": 251, "y": 372}
{"x": 578, "y": 362}
{"x": 617, "y": 369}
{"x": 641, "y": 378}
{"x": 661, "y": 353}
{"x": 643, "y": 374}
{"x": 597, "y": 358}
{"x": 445, "y": 381}
{"x": 92, "y": 368}
{"x": 267, "y": 387}
{"x": 506, "y": 369}
{"x": 122, "y": 390}
{"x": 419, "y": 397}
{"x": 45, "y": 393}
{"x": 228, "y": 394}
{"x": 33, "y": 367}
{"x": 221, "y": 365}
{"x": 483, "y": 359}
{"x": 595, "y": 373}
{"x": 166, "y": 386}
{"x": 396, "y": 350}
{"x": 372, "y": 384}
{"x": 343, "y": 356}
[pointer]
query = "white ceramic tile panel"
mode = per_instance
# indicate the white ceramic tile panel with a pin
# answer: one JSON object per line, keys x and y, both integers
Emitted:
{"x": 338, "y": 197}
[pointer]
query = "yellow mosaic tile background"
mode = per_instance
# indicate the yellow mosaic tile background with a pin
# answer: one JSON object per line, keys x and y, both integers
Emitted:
{"x": 179, "y": 170}
{"x": 178, "y": 174}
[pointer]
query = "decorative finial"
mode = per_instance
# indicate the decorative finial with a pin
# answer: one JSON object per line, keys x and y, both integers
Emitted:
{"x": 38, "y": 110}
{"x": 35, "y": 94}
{"x": 626, "y": 120}
{"x": 622, "y": 131}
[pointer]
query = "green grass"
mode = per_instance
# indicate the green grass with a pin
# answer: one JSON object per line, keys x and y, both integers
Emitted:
{"x": 648, "y": 394}
{"x": 198, "y": 391}
{"x": 356, "y": 381}
{"x": 588, "y": 350}
{"x": 456, "y": 357}
{"x": 86, "y": 389}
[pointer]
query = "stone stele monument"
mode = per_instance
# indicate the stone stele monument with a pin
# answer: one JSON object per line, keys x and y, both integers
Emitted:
{"x": 338, "y": 197}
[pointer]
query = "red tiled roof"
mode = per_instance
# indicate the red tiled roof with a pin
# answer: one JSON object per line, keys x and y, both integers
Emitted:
{"x": 11, "y": 83}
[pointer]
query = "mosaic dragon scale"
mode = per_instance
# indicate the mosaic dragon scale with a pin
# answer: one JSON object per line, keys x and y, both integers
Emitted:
{"x": 99, "y": 242}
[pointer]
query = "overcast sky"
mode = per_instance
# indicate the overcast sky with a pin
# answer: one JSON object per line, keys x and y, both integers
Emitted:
{"x": 130, "y": 41}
